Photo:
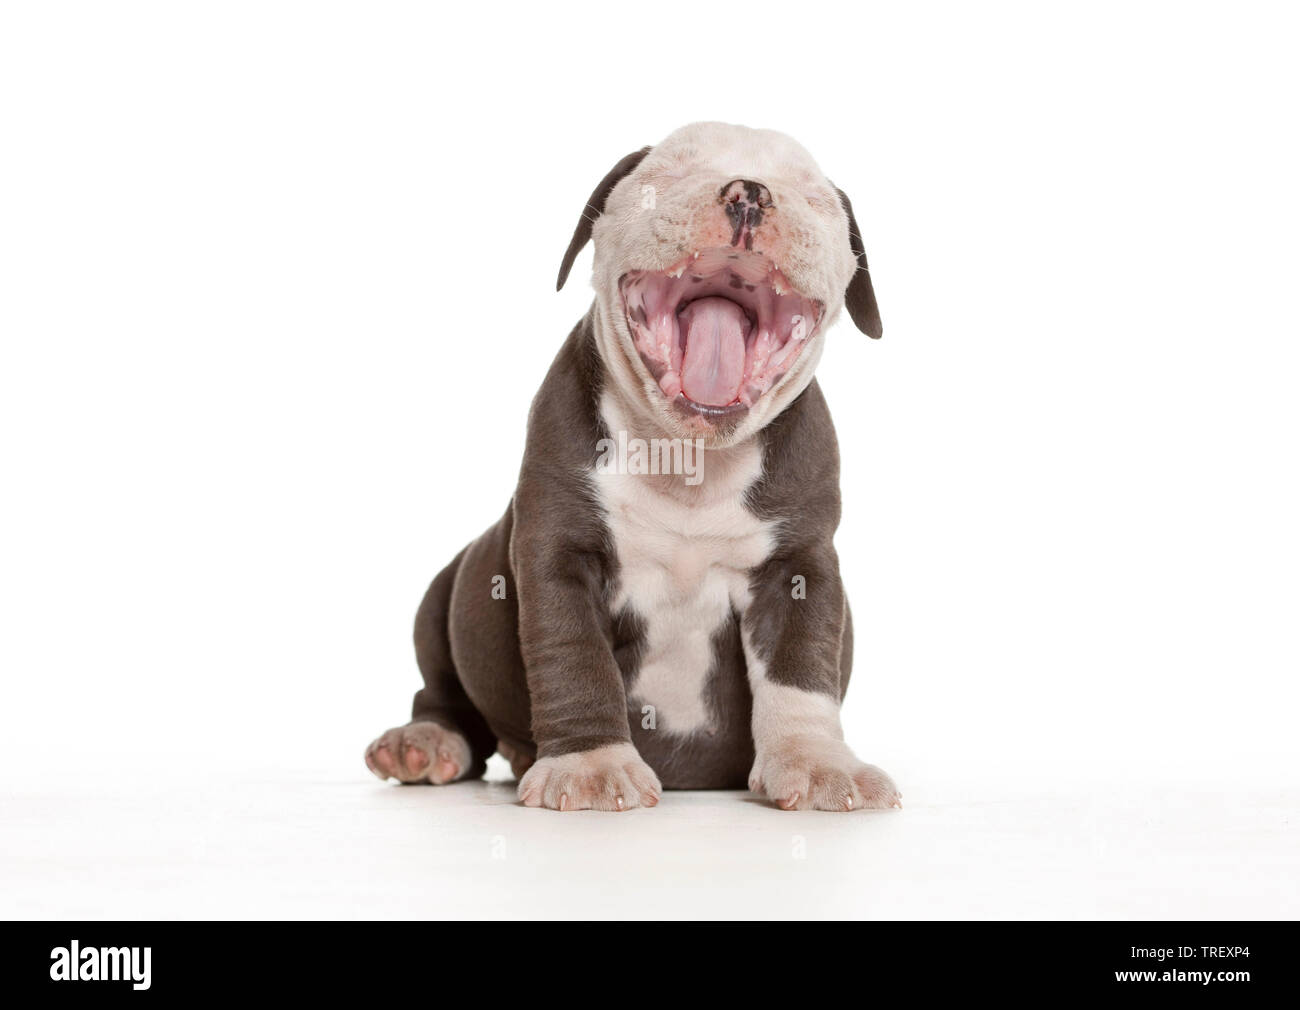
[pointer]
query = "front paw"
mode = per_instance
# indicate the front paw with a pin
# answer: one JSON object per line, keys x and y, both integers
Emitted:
{"x": 820, "y": 773}
{"x": 606, "y": 778}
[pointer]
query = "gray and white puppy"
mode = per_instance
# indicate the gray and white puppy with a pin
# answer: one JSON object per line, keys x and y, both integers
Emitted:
{"x": 617, "y": 632}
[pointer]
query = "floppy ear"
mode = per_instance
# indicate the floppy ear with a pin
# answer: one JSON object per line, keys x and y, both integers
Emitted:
{"x": 859, "y": 296}
{"x": 595, "y": 207}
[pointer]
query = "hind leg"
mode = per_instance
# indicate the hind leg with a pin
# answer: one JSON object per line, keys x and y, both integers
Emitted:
{"x": 447, "y": 739}
{"x": 420, "y": 752}
{"x": 520, "y": 759}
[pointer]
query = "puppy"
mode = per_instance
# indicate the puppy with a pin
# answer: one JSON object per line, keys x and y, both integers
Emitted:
{"x": 660, "y": 605}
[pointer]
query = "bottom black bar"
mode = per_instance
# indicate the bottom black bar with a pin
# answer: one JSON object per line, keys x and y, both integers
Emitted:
{"x": 1222, "y": 961}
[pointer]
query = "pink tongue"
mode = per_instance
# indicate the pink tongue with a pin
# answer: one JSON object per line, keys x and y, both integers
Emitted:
{"x": 715, "y": 350}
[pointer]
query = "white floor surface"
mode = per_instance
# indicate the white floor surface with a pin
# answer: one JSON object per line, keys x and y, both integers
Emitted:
{"x": 336, "y": 844}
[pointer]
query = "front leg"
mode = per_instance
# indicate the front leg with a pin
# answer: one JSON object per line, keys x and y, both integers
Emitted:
{"x": 585, "y": 756}
{"x": 793, "y": 633}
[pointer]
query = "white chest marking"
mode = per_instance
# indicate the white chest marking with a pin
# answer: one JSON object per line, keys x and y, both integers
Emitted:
{"x": 684, "y": 554}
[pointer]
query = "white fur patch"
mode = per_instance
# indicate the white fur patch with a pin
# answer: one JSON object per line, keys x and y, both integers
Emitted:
{"x": 684, "y": 554}
{"x": 782, "y": 712}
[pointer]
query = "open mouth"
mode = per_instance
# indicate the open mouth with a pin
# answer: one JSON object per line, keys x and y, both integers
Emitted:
{"x": 718, "y": 329}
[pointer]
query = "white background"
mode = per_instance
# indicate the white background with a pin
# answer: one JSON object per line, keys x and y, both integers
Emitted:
{"x": 277, "y": 286}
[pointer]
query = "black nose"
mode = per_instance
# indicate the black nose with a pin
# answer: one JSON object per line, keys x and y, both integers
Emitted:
{"x": 746, "y": 191}
{"x": 744, "y": 202}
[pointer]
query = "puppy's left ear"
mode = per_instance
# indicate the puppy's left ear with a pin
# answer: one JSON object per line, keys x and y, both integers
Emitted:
{"x": 859, "y": 296}
{"x": 595, "y": 207}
